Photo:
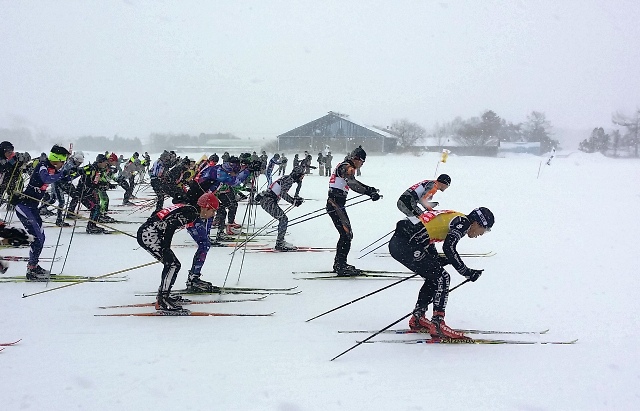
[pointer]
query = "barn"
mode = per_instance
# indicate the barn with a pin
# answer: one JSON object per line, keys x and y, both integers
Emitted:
{"x": 340, "y": 133}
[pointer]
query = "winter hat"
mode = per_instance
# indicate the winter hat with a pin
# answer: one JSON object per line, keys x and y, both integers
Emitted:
{"x": 444, "y": 179}
{"x": 214, "y": 157}
{"x": 58, "y": 153}
{"x": 208, "y": 200}
{"x": 78, "y": 157}
{"x": 113, "y": 157}
{"x": 483, "y": 216}
{"x": 101, "y": 158}
{"x": 6, "y": 146}
{"x": 359, "y": 153}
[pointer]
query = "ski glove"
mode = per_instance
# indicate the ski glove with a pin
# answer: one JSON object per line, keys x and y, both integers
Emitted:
{"x": 443, "y": 260}
{"x": 297, "y": 201}
{"x": 472, "y": 275}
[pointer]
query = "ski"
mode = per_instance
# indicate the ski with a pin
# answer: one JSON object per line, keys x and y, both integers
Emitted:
{"x": 362, "y": 271}
{"x": 363, "y": 276}
{"x": 468, "y": 255}
{"x": 183, "y": 314}
{"x": 233, "y": 290}
{"x": 19, "y": 258}
{"x": 187, "y": 302}
{"x": 63, "y": 279}
{"x": 471, "y": 341}
{"x": 10, "y": 343}
{"x": 297, "y": 250}
{"x": 467, "y": 331}
{"x": 219, "y": 244}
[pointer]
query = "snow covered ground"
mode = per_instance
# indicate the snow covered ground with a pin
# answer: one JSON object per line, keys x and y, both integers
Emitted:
{"x": 567, "y": 260}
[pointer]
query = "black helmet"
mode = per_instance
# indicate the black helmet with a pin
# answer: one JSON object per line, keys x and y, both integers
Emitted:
{"x": 445, "y": 179}
{"x": 359, "y": 153}
{"x": 101, "y": 158}
{"x": 483, "y": 216}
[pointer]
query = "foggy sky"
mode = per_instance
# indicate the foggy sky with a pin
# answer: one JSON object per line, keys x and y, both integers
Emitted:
{"x": 261, "y": 68}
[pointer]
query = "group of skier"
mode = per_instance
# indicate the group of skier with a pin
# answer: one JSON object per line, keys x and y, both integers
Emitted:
{"x": 205, "y": 195}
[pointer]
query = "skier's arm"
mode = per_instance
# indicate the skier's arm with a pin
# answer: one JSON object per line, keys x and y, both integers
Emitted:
{"x": 458, "y": 229}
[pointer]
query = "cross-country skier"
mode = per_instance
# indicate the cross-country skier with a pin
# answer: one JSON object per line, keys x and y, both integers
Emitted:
{"x": 342, "y": 179}
{"x": 155, "y": 236}
{"x": 413, "y": 246}
{"x": 420, "y": 194}
{"x": 26, "y": 205}
{"x": 272, "y": 163}
{"x": 269, "y": 203}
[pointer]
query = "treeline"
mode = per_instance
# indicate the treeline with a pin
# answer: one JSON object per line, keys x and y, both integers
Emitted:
{"x": 616, "y": 143}
{"x": 487, "y": 129}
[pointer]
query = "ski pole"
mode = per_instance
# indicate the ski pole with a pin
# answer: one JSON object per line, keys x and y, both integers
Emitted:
{"x": 386, "y": 328}
{"x": 369, "y": 252}
{"x": 378, "y": 240}
{"x": 320, "y": 209}
{"x": 90, "y": 279}
{"x": 326, "y": 212}
{"x": 361, "y": 298}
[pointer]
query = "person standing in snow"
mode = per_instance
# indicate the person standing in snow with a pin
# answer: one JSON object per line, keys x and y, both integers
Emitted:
{"x": 421, "y": 194}
{"x": 155, "y": 236}
{"x": 412, "y": 245}
{"x": 342, "y": 179}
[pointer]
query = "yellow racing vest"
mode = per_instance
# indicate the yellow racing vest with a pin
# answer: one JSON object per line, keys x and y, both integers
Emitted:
{"x": 436, "y": 222}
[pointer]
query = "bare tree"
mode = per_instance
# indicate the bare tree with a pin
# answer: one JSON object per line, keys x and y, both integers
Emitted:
{"x": 631, "y": 123}
{"x": 408, "y": 133}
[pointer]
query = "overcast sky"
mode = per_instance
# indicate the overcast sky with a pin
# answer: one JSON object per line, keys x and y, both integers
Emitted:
{"x": 260, "y": 68}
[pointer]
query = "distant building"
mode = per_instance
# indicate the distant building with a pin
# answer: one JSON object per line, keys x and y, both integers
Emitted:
{"x": 490, "y": 149}
{"x": 338, "y": 132}
{"x": 520, "y": 147}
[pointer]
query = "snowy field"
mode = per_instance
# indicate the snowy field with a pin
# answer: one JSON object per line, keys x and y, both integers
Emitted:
{"x": 567, "y": 259}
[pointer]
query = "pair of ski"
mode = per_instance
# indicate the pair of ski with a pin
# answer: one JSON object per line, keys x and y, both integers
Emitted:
{"x": 487, "y": 254}
{"x": 21, "y": 258}
{"x": 296, "y": 250}
{"x": 9, "y": 344}
{"x": 436, "y": 340}
{"x": 233, "y": 290}
{"x": 161, "y": 313}
{"x": 363, "y": 275}
{"x": 62, "y": 278}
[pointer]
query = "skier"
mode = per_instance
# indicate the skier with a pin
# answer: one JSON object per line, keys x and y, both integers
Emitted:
{"x": 320, "y": 164}
{"x": 156, "y": 175}
{"x": 412, "y": 245}
{"x": 343, "y": 178}
{"x": 421, "y": 194}
{"x": 155, "y": 236}
{"x": 269, "y": 203}
{"x": 272, "y": 163}
{"x": 282, "y": 168}
{"x": 26, "y": 206}
{"x": 87, "y": 193}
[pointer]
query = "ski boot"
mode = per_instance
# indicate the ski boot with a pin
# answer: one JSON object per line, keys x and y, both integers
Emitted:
{"x": 346, "y": 270}
{"x": 37, "y": 273}
{"x": 442, "y": 331}
{"x": 282, "y": 245}
{"x": 92, "y": 228}
{"x": 196, "y": 285}
{"x": 61, "y": 223}
{"x": 169, "y": 306}
{"x": 418, "y": 322}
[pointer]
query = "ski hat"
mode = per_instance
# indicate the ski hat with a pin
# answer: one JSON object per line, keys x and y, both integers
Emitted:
{"x": 101, "y": 158}
{"x": 6, "y": 146}
{"x": 359, "y": 153}
{"x": 209, "y": 200}
{"x": 276, "y": 156}
{"x": 444, "y": 179}
{"x": 78, "y": 157}
{"x": 482, "y": 216}
{"x": 214, "y": 157}
{"x": 113, "y": 157}
{"x": 58, "y": 153}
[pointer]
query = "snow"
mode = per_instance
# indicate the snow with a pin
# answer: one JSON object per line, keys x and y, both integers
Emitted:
{"x": 566, "y": 245}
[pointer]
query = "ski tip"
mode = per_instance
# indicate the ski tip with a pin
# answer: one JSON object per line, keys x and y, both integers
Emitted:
{"x": 546, "y": 331}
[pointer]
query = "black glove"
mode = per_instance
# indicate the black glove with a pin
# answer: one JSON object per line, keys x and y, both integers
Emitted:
{"x": 370, "y": 190}
{"x": 297, "y": 201}
{"x": 472, "y": 275}
{"x": 113, "y": 186}
{"x": 443, "y": 260}
{"x": 375, "y": 196}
